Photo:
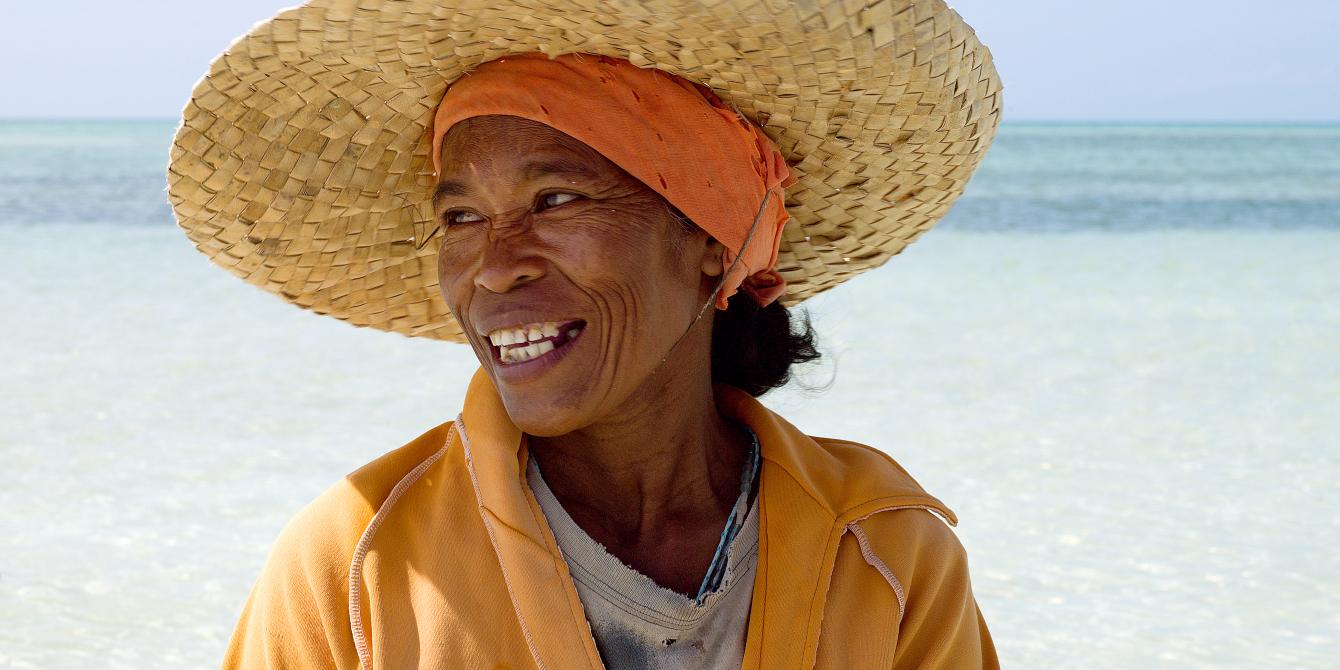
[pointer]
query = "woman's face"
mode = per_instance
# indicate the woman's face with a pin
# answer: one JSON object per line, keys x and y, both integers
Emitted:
{"x": 570, "y": 278}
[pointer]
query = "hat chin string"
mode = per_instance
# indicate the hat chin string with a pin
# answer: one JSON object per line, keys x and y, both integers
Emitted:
{"x": 720, "y": 283}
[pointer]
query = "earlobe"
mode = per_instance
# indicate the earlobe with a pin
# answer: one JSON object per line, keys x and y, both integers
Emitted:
{"x": 713, "y": 260}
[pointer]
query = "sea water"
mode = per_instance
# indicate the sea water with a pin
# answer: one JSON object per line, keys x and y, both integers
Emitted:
{"x": 1117, "y": 359}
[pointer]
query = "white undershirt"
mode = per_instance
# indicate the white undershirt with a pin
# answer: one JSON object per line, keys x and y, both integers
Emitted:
{"x": 632, "y": 617}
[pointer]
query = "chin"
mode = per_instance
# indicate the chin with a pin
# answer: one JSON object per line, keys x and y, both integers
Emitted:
{"x": 543, "y": 417}
{"x": 556, "y": 393}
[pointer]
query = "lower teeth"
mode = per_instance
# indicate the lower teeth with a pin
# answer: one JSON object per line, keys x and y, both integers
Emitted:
{"x": 521, "y": 354}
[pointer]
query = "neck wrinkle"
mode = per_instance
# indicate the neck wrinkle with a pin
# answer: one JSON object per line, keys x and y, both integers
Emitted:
{"x": 641, "y": 475}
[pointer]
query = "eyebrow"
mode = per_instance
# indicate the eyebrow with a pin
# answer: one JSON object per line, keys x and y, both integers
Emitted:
{"x": 447, "y": 188}
{"x": 532, "y": 170}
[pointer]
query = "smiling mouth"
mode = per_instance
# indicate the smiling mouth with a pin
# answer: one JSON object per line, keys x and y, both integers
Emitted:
{"x": 527, "y": 342}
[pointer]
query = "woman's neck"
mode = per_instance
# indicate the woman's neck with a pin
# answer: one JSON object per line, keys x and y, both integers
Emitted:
{"x": 666, "y": 468}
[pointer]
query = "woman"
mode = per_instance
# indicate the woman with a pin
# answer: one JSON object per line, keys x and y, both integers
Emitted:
{"x": 613, "y": 242}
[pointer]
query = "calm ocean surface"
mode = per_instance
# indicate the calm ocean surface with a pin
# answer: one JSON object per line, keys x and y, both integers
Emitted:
{"x": 1118, "y": 359}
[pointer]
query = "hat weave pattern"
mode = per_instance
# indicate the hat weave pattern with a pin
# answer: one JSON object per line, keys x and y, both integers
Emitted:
{"x": 302, "y": 160}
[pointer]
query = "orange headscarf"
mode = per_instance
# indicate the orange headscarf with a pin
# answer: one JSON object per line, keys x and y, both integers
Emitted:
{"x": 675, "y": 136}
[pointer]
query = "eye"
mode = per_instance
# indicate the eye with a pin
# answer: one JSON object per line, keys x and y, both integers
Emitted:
{"x": 555, "y": 199}
{"x": 455, "y": 216}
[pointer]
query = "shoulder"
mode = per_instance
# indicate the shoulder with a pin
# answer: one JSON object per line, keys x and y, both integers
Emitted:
{"x": 903, "y": 534}
{"x": 868, "y": 480}
{"x": 923, "y": 561}
{"x": 845, "y": 478}
{"x": 914, "y": 542}
{"x": 895, "y": 519}
{"x": 302, "y": 594}
{"x": 327, "y": 530}
{"x": 310, "y": 559}
{"x": 866, "y": 462}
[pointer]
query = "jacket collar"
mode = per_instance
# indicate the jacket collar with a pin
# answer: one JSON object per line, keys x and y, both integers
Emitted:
{"x": 543, "y": 595}
{"x": 807, "y": 495}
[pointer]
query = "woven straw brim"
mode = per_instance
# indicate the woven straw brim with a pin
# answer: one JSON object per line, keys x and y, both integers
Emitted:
{"x": 302, "y": 160}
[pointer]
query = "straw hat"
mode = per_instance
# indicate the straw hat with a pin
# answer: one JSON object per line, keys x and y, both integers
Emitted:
{"x": 302, "y": 163}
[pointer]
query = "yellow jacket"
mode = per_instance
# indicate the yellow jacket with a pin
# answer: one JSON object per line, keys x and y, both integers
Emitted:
{"x": 437, "y": 555}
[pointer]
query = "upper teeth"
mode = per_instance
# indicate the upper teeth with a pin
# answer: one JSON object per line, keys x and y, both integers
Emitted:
{"x": 530, "y": 332}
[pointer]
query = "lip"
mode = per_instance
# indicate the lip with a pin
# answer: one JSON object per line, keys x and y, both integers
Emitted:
{"x": 513, "y": 319}
{"x": 514, "y": 373}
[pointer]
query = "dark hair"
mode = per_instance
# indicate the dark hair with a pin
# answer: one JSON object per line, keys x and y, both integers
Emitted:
{"x": 753, "y": 348}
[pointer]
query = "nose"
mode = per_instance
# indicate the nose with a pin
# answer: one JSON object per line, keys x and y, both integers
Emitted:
{"x": 509, "y": 261}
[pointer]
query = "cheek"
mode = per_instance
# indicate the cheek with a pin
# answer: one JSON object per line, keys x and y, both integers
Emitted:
{"x": 623, "y": 244}
{"x": 453, "y": 263}
{"x": 610, "y": 265}
{"x": 624, "y": 265}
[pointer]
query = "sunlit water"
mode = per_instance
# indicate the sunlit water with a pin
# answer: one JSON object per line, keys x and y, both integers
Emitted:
{"x": 1136, "y": 414}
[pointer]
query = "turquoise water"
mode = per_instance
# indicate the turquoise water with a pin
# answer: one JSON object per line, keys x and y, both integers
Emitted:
{"x": 1050, "y": 177}
{"x": 84, "y": 172}
{"x": 1142, "y": 177}
{"x": 1118, "y": 361}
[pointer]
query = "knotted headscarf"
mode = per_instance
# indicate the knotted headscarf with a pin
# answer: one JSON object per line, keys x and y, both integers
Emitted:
{"x": 673, "y": 135}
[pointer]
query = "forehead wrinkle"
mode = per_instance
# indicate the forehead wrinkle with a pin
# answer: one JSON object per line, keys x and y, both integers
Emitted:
{"x": 563, "y": 166}
{"x": 533, "y": 170}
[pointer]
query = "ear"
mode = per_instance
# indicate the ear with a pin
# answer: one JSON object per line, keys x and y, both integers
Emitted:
{"x": 713, "y": 258}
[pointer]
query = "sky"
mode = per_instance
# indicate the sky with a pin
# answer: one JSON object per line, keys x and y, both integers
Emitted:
{"x": 1060, "y": 60}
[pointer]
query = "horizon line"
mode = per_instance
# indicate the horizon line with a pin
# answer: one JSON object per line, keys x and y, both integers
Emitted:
{"x": 1023, "y": 121}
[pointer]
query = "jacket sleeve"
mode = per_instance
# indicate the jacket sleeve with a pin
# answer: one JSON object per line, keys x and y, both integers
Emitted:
{"x": 941, "y": 625}
{"x": 297, "y": 613}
